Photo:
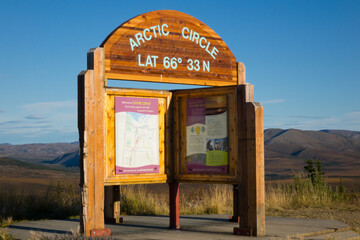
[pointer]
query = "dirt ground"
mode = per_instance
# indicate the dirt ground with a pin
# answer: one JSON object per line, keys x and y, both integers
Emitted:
{"x": 349, "y": 216}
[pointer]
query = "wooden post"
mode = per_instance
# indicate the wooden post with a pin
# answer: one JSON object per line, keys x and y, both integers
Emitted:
{"x": 255, "y": 168}
{"x": 92, "y": 144}
{"x": 244, "y": 95}
{"x": 251, "y": 157}
{"x": 236, "y": 204}
{"x": 241, "y": 73}
{"x": 112, "y": 204}
{"x": 174, "y": 205}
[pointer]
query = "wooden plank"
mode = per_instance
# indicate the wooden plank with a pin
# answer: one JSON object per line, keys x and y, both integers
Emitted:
{"x": 255, "y": 168}
{"x": 169, "y": 140}
{"x": 169, "y": 46}
{"x": 109, "y": 204}
{"x": 92, "y": 142}
{"x": 82, "y": 160}
{"x": 204, "y": 91}
{"x": 112, "y": 204}
{"x": 86, "y": 152}
{"x": 174, "y": 205}
{"x": 99, "y": 134}
{"x": 182, "y": 128}
{"x": 243, "y": 97}
{"x": 251, "y": 154}
{"x": 241, "y": 73}
{"x": 233, "y": 133}
{"x": 236, "y": 204}
{"x": 176, "y": 136}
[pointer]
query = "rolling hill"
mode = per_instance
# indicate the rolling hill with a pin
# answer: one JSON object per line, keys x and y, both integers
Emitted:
{"x": 36, "y": 151}
{"x": 285, "y": 152}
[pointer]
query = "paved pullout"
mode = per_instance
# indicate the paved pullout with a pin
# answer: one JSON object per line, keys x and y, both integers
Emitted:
{"x": 192, "y": 227}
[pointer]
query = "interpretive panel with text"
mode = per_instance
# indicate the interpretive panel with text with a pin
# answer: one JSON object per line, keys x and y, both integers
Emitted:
{"x": 206, "y": 123}
{"x": 136, "y": 135}
{"x": 207, "y": 135}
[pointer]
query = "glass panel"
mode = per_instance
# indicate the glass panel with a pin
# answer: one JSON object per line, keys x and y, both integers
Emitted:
{"x": 207, "y": 135}
{"x": 136, "y": 135}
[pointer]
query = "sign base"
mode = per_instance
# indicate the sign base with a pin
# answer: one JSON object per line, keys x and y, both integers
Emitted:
{"x": 243, "y": 231}
{"x": 100, "y": 232}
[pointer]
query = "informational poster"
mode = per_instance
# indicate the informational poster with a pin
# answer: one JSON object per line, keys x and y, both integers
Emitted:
{"x": 207, "y": 135}
{"x": 136, "y": 135}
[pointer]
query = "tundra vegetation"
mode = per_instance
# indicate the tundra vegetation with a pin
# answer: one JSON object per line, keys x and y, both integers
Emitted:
{"x": 308, "y": 194}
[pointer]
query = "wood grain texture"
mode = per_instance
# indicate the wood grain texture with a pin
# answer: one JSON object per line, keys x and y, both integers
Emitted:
{"x": 91, "y": 131}
{"x": 255, "y": 169}
{"x": 251, "y": 192}
{"x": 180, "y": 169}
{"x": 241, "y": 73}
{"x": 168, "y": 33}
{"x": 111, "y": 178}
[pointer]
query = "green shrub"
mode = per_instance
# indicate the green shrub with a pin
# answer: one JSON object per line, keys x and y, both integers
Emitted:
{"x": 309, "y": 189}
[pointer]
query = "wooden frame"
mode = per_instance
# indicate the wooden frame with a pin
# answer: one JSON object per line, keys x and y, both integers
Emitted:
{"x": 113, "y": 60}
{"x": 164, "y": 98}
{"x": 180, "y": 98}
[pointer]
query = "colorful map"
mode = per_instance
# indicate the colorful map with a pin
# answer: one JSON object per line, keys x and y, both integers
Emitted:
{"x": 137, "y": 135}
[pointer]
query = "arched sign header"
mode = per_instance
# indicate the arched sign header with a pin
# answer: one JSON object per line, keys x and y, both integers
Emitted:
{"x": 168, "y": 46}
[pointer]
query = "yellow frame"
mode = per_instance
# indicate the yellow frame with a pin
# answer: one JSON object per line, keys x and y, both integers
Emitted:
{"x": 111, "y": 178}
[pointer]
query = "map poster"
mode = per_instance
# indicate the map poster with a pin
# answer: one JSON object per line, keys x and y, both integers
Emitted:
{"x": 207, "y": 135}
{"x": 136, "y": 135}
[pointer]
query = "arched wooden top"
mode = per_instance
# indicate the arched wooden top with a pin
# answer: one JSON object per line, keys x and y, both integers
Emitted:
{"x": 168, "y": 46}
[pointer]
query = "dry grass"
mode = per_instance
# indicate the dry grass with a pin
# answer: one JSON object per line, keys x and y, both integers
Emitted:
{"x": 207, "y": 199}
{"x": 4, "y": 235}
{"x": 300, "y": 198}
{"x": 302, "y": 193}
{"x": 210, "y": 199}
{"x": 58, "y": 201}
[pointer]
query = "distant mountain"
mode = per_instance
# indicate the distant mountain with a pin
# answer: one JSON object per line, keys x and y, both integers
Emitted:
{"x": 69, "y": 159}
{"x": 286, "y": 151}
{"x": 37, "y": 151}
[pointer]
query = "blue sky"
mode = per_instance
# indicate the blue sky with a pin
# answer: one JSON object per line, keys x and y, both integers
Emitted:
{"x": 303, "y": 58}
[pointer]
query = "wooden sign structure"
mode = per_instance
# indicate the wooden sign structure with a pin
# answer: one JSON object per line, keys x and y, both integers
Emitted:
{"x": 137, "y": 136}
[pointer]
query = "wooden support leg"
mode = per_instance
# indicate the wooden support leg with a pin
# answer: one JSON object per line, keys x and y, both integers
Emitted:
{"x": 236, "y": 205}
{"x": 112, "y": 204}
{"x": 92, "y": 144}
{"x": 174, "y": 205}
{"x": 252, "y": 187}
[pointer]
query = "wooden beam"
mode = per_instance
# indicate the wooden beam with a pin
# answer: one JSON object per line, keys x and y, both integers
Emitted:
{"x": 243, "y": 97}
{"x": 251, "y": 194}
{"x": 174, "y": 205}
{"x": 252, "y": 184}
{"x": 112, "y": 204}
{"x": 255, "y": 169}
{"x": 241, "y": 73}
{"x": 92, "y": 141}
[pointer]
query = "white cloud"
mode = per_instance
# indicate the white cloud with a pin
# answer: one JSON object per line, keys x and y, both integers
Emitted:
{"x": 40, "y": 120}
{"x": 49, "y": 106}
{"x": 348, "y": 121}
{"x": 34, "y": 117}
{"x": 271, "y": 101}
